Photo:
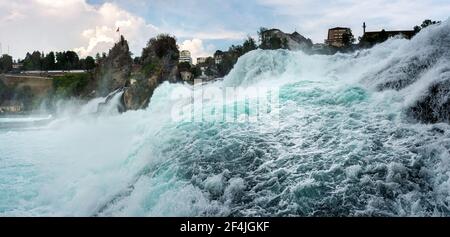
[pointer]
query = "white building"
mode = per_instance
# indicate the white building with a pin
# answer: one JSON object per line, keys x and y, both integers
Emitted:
{"x": 218, "y": 58}
{"x": 185, "y": 56}
{"x": 17, "y": 66}
{"x": 201, "y": 60}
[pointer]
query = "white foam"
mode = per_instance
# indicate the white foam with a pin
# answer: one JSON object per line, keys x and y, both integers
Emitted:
{"x": 341, "y": 148}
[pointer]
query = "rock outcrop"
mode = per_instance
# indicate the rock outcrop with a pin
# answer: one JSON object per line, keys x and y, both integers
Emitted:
{"x": 137, "y": 80}
{"x": 187, "y": 76}
{"x": 114, "y": 70}
{"x": 159, "y": 63}
{"x": 435, "y": 106}
{"x": 138, "y": 94}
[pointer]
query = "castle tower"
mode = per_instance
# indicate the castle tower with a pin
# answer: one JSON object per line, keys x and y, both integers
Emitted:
{"x": 364, "y": 28}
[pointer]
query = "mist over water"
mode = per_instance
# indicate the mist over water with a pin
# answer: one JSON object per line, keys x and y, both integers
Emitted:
{"x": 340, "y": 147}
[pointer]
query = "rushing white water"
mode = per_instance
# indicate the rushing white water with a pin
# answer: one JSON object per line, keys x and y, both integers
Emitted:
{"x": 24, "y": 119}
{"x": 342, "y": 147}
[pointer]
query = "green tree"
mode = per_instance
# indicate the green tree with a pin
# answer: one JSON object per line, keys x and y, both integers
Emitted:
{"x": 61, "y": 61}
{"x": 160, "y": 53}
{"x": 49, "y": 62}
{"x": 249, "y": 45}
{"x": 218, "y": 53}
{"x": 261, "y": 35}
{"x": 68, "y": 60}
{"x": 160, "y": 46}
{"x": 72, "y": 60}
{"x": 425, "y": 24}
{"x": 348, "y": 38}
{"x": 89, "y": 63}
{"x": 98, "y": 58}
{"x": 184, "y": 67}
{"x": 33, "y": 61}
{"x": 417, "y": 29}
{"x": 428, "y": 22}
{"x": 196, "y": 71}
{"x": 6, "y": 63}
{"x": 269, "y": 40}
{"x": 70, "y": 85}
{"x": 229, "y": 58}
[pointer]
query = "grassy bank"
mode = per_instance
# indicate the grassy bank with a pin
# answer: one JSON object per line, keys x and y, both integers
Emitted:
{"x": 71, "y": 85}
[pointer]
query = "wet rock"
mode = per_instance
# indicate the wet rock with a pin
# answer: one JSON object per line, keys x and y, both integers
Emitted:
{"x": 159, "y": 63}
{"x": 114, "y": 70}
{"x": 137, "y": 95}
{"x": 103, "y": 107}
{"x": 435, "y": 106}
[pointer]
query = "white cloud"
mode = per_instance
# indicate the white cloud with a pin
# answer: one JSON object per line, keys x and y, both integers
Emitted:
{"x": 197, "y": 49}
{"x": 212, "y": 35}
{"x": 46, "y": 25}
{"x": 104, "y": 34}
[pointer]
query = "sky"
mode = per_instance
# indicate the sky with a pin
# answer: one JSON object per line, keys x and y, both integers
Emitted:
{"x": 201, "y": 26}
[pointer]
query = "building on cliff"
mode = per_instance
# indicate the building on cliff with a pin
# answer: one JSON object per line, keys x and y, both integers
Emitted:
{"x": 336, "y": 36}
{"x": 218, "y": 58}
{"x": 277, "y": 39}
{"x": 17, "y": 66}
{"x": 185, "y": 57}
{"x": 201, "y": 60}
{"x": 407, "y": 34}
{"x": 375, "y": 37}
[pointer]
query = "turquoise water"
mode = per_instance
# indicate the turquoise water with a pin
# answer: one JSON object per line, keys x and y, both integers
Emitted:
{"x": 333, "y": 145}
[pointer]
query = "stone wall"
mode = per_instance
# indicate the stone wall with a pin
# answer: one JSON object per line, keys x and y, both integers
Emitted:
{"x": 40, "y": 86}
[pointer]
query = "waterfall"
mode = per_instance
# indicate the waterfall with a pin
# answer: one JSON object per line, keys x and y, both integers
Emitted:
{"x": 343, "y": 142}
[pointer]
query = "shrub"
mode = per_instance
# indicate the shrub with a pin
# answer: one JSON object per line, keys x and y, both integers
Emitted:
{"x": 70, "y": 85}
